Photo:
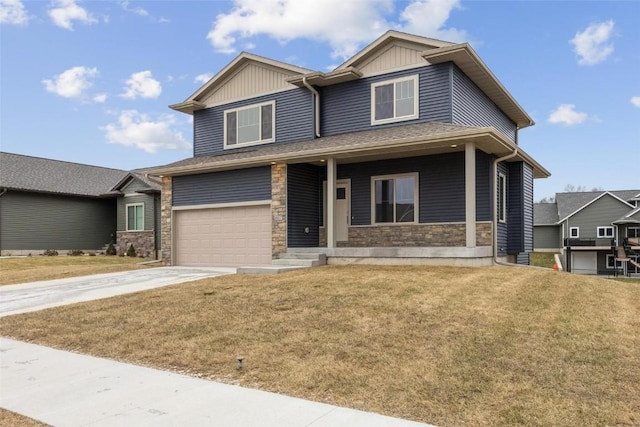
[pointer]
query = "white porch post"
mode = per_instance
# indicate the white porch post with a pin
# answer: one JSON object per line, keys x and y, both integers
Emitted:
{"x": 470, "y": 192}
{"x": 331, "y": 197}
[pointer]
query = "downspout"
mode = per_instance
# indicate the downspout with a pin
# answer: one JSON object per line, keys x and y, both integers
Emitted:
{"x": 495, "y": 201}
{"x": 316, "y": 95}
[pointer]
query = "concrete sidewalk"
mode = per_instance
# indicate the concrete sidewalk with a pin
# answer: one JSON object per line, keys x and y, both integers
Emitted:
{"x": 68, "y": 389}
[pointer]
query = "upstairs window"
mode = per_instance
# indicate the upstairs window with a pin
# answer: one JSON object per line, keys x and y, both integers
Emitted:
{"x": 394, "y": 100}
{"x": 395, "y": 198}
{"x": 605, "y": 232}
{"x": 135, "y": 217}
{"x": 633, "y": 232}
{"x": 574, "y": 232}
{"x": 249, "y": 125}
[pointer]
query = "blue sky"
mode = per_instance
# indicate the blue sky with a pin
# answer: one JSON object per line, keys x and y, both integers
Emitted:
{"x": 90, "y": 81}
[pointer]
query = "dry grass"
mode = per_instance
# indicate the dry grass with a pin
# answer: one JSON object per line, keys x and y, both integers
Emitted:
{"x": 33, "y": 269}
{"x": 542, "y": 259}
{"x": 11, "y": 419}
{"x": 450, "y": 346}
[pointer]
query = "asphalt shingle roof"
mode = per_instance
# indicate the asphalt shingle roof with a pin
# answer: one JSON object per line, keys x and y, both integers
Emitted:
{"x": 19, "y": 172}
{"x": 568, "y": 203}
{"x": 545, "y": 213}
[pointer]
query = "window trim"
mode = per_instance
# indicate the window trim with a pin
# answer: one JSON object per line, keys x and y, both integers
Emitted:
{"x": 248, "y": 107}
{"x": 577, "y": 236}
{"x": 394, "y": 119}
{"x": 605, "y": 227}
{"x": 416, "y": 192}
{"x": 616, "y": 263}
{"x": 502, "y": 198}
{"x": 130, "y": 205}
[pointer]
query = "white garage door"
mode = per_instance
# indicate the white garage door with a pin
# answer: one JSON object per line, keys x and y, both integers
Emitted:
{"x": 584, "y": 263}
{"x": 238, "y": 236}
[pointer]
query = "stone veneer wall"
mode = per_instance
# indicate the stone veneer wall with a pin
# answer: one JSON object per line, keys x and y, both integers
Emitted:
{"x": 166, "y": 203}
{"x": 278, "y": 209}
{"x": 411, "y": 235}
{"x": 143, "y": 242}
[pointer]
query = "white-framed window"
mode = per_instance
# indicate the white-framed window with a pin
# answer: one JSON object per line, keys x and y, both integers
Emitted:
{"x": 135, "y": 217}
{"x": 612, "y": 263}
{"x": 394, "y": 100}
{"x": 605, "y": 232}
{"x": 502, "y": 198}
{"x": 394, "y": 199}
{"x": 254, "y": 124}
{"x": 574, "y": 232}
{"x": 633, "y": 232}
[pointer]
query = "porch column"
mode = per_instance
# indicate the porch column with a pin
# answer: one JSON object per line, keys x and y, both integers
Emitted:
{"x": 470, "y": 192}
{"x": 331, "y": 197}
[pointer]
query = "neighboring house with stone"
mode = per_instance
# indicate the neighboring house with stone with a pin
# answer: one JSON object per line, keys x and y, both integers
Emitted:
{"x": 414, "y": 141}
{"x": 52, "y": 204}
{"x": 597, "y": 232}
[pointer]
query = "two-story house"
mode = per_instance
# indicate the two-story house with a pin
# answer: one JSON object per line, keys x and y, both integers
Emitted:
{"x": 598, "y": 232}
{"x": 406, "y": 153}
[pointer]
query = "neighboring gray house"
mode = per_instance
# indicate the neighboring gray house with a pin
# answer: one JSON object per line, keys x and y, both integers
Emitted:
{"x": 592, "y": 230}
{"x": 51, "y": 204}
{"x": 406, "y": 153}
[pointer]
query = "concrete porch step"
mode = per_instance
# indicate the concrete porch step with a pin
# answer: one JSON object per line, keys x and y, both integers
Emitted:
{"x": 298, "y": 262}
{"x": 296, "y": 255}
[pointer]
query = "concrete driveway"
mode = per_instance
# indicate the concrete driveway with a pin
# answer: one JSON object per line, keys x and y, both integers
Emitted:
{"x": 27, "y": 297}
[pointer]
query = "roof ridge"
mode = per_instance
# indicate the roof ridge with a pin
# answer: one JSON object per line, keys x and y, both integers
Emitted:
{"x": 63, "y": 161}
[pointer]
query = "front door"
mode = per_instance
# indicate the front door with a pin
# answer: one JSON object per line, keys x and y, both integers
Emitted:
{"x": 341, "y": 206}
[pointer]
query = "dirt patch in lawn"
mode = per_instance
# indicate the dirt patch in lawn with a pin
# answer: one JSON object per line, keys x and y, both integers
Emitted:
{"x": 448, "y": 346}
{"x": 37, "y": 268}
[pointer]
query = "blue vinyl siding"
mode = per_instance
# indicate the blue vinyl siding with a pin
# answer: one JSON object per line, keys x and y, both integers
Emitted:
{"x": 527, "y": 189}
{"x": 303, "y": 205}
{"x": 520, "y": 209}
{"x": 502, "y": 232}
{"x": 241, "y": 185}
{"x": 41, "y": 221}
{"x": 484, "y": 185}
{"x": 346, "y": 107}
{"x": 473, "y": 108}
{"x": 294, "y": 121}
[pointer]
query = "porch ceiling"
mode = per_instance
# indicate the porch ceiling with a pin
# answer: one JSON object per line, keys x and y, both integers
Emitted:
{"x": 391, "y": 142}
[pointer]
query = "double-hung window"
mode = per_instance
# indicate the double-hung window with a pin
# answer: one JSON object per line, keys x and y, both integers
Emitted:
{"x": 250, "y": 125}
{"x": 502, "y": 198}
{"x": 574, "y": 232}
{"x": 395, "y": 198}
{"x": 135, "y": 217}
{"x": 394, "y": 100}
{"x": 605, "y": 232}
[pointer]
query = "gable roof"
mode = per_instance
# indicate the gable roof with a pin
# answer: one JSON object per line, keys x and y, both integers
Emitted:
{"x": 153, "y": 185}
{"x": 193, "y": 102}
{"x": 27, "y": 173}
{"x": 545, "y": 213}
{"x": 571, "y": 203}
{"x": 629, "y": 218}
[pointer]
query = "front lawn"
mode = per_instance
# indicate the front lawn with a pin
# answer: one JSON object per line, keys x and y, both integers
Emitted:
{"x": 449, "y": 346}
{"x": 37, "y": 268}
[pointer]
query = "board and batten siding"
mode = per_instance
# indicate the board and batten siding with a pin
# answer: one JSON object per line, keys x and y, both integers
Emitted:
{"x": 546, "y": 237}
{"x": 145, "y": 199}
{"x": 41, "y": 221}
{"x": 472, "y": 107}
{"x": 234, "y": 186}
{"x": 294, "y": 121}
{"x": 303, "y": 205}
{"x": 346, "y": 107}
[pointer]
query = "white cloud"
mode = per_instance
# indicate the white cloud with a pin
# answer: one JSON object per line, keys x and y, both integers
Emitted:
{"x": 65, "y": 12}
{"x": 137, "y": 10}
{"x": 143, "y": 85}
{"x": 13, "y": 12}
{"x": 100, "y": 98}
{"x": 345, "y": 25}
{"x": 635, "y": 100}
{"x": 138, "y": 130}
{"x": 71, "y": 83}
{"x": 592, "y": 45}
{"x": 203, "y": 78}
{"x": 567, "y": 115}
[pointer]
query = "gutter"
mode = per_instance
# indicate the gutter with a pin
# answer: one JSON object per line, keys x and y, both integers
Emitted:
{"x": 317, "y": 104}
{"x": 3, "y": 191}
{"x": 495, "y": 204}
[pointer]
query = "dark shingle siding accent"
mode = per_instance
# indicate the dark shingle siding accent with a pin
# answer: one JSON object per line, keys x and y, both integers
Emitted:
{"x": 294, "y": 121}
{"x": 46, "y": 221}
{"x": 303, "y": 205}
{"x": 241, "y": 185}
{"x": 346, "y": 107}
{"x": 472, "y": 107}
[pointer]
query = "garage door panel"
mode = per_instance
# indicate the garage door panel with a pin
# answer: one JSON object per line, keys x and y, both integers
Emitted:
{"x": 584, "y": 262}
{"x": 223, "y": 237}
